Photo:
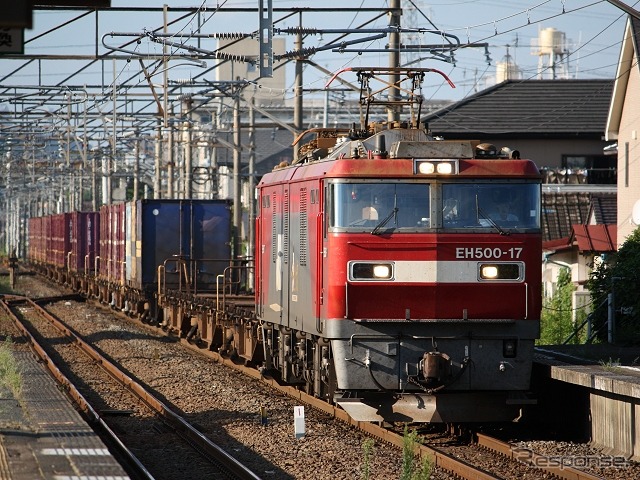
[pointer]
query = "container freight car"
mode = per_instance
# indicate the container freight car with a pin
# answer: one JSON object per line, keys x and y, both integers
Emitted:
{"x": 36, "y": 247}
{"x": 186, "y": 240}
{"x": 65, "y": 244}
{"x": 115, "y": 255}
{"x": 161, "y": 232}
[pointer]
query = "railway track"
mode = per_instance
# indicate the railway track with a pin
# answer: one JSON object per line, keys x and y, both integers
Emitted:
{"x": 129, "y": 414}
{"x": 553, "y": 468}
{"x": 506, "y": 461}
{"x": 461, "y": 461}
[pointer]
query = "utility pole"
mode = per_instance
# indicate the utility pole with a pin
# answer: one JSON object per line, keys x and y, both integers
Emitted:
{"x": 237, "y": 203}
{"x": 297, "y": 105}
{"x": 170, "y": 160}
{"x": 165, "y": 68}
{"x": 215, "y": 116}
{"x": 114, "y": 139}
{"x": 106, "y": 178}
{"x": 94, "y": 181}
{"x": 393, "y": 115}
{"x": 157, "y": 160}
{"x": 165, "y": 117}
{"x": 186, "y": 138}
{"x": 252, "y": 185}
{"x": 136, "y": 166}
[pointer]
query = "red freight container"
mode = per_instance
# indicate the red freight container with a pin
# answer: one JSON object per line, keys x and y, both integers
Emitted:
{"x": 85, "y": 234}
{"x": 35, "y": 249}
{"x": 92, "y": 239}
{"x": 111, "y": 265}
{"x": 31, "y": 236}
{"x": 47, "y": 241}
{"x": 40, "y": 240}
{"x": 60, "y": 239}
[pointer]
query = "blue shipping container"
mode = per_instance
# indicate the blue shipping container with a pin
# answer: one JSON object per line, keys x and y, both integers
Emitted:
{"x": 198, "y": 231}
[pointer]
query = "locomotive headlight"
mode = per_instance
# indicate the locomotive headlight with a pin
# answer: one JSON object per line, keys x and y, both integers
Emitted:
{"x": 382, "y": 271}
{"x": 501, "y": 271}
{"x": 442, "y": 167}
{"x": 488, "y": 272}
{"x": 370, "y": 271}
{"x": 426, "y": 167}
{"x": 446, "y": 168}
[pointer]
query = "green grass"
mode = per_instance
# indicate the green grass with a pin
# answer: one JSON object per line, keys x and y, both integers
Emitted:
{"x": 611, "y": 365}
{"x": 10, "y": 375}
{"x": 412, "y": 468}
{"x": 4, "y": 285}
{"x": 368, "y": 449}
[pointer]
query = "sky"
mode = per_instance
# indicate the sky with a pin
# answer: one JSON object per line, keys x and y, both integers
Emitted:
{"x": 592, "y": 30}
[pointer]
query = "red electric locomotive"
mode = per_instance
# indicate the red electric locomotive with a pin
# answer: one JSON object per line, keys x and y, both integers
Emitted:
{"x": 398, "y": 275}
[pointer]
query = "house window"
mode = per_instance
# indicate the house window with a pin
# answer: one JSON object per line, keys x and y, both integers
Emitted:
{"x": 591, "y": 169}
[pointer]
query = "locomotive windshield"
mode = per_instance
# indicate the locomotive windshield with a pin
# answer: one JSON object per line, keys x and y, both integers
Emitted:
{"x": 373, "y": 206}
{"x": 494, "y": 205}
{"x": 378, "y": 207}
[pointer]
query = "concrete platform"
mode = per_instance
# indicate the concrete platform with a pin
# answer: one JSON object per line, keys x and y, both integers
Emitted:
{"x": 608, "y": 381}
{"x": 42, "y": 436}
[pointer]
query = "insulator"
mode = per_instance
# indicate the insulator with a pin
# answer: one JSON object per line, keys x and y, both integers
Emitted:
{"x": 305, "y": 52}
{"x": 230, "y": 35}
{"x": 305, "y": 30}
{"x": 232, "y": 57}
{"x": 298, "y": 30}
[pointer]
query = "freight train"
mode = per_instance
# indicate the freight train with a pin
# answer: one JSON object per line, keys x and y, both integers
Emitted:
{"x": 397, "y": 275}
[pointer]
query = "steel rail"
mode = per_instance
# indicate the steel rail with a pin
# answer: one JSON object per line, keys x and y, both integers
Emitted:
{"x": 558, "y": 469}
{"x": 178, "y": 423}
{"x": 437, "y": 457}
{"x": 129, "y": 458}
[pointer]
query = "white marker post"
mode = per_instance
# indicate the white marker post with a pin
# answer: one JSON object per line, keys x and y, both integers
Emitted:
{"x": 298, "y": 421}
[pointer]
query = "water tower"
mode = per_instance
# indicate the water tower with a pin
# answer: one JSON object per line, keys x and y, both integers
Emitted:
{"x": 507, "y": 69}
{"x": 551, "y": 49}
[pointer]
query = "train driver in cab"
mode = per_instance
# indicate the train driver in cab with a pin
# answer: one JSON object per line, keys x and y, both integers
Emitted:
{"x": 502, "y": 213}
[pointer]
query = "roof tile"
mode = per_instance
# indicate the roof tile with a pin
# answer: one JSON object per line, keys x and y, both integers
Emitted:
{"x": 542, "y": 108}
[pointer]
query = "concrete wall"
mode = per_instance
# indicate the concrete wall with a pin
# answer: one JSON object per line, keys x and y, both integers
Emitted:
{"x": 624, "y": 412}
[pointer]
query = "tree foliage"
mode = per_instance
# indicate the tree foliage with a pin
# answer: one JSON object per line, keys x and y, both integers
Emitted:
{"x": 556, "y": 323}
{"x": 620, "y": 275}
